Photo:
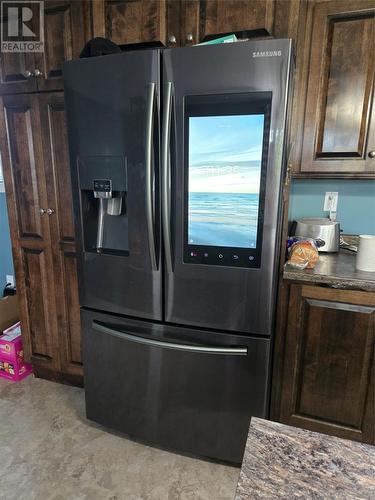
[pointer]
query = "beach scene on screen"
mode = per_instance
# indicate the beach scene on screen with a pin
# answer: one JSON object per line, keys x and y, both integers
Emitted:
{"x": 225, "y": 155}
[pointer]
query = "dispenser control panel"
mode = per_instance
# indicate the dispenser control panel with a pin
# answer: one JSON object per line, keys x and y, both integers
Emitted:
{"x": 102, "y": 188}
{"x": 102, "y": 185}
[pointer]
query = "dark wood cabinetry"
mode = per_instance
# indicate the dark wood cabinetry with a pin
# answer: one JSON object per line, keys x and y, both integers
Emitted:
{"x": 130, "y": 21}
{"x": 327, "y": 380}
{"x": 66, "y": 29}
{"x": 61, "y": 226}
{"x": 14, "y": 73}
{"x": 15, "y": 67}
{"x": 237, "y": 16}
{"x": 339, "y": 121}
{"x": 179, "y": 23}
{"x": 36, "y": 169}
{"x": 192, "y": 21}
{"x": 22, "y": 160}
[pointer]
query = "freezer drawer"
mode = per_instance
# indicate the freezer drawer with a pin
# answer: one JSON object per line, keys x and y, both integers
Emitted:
{"x": 187, "y": 390}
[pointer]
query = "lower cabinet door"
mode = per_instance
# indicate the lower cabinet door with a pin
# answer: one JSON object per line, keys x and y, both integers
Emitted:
{"x": 188, "y": 390}
{"x": 35, "y": 158}
{"x": 59, "y": 200}
{"x": 328, "y": 379}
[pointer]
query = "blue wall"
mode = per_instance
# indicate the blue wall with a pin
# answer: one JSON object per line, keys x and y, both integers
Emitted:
{"x": 356, "y": 204}
{"x": 6, "y": 263}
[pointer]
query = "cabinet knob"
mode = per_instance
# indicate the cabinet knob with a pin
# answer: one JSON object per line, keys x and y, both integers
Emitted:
{"x": 27, "y": 74}
{"x": 42, "y": 211}
{"x": 50, "y": 211}
{"x": 172, "y": 39}
{"x": 371, "y": 154}
{"x": 37, "y": 72}
{"x": 189, "y": 37}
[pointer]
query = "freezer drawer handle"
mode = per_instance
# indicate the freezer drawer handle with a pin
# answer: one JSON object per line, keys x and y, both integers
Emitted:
{"x": 166, "y": 175}
{"x": 149, "y": 179}
{"x": 230, "y": 351}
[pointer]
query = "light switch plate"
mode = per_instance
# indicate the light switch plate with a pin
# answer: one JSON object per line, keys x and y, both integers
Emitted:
{"x": 330, "y": 201}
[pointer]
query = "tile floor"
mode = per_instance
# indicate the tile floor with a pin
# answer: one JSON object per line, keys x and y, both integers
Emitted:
{"x": 49, "y": 451}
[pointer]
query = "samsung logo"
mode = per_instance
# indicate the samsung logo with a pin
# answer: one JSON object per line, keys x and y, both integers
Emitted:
{"x": 267, "y": 53}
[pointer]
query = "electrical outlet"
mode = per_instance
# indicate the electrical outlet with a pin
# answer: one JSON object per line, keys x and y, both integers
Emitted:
{"x": 10, "y": 279}
{"x": 330, "y": 201}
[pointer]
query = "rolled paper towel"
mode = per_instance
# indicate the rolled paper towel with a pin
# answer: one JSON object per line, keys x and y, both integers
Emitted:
{"x": 366, "y": 253}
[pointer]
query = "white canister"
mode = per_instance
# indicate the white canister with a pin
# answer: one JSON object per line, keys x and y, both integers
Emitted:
{"x": 366, "y": 253}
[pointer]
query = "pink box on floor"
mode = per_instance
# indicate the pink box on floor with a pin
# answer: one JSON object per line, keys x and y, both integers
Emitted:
{"x": 12, "y": 365}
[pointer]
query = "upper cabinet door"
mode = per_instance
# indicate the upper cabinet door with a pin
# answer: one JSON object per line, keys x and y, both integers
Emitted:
{"x": 192, "y": 21}
{"x": 338, "y": 134}
{"x": 66, "y": 31}
{"x": 130, "y": 21}
{"x": 16, "y": 73}
{"x": 16, "y": 68}
{"x": 236, "y": 16}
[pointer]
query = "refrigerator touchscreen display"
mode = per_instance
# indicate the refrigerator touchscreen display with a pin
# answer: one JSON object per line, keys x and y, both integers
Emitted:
{"x": 225, "y": 160}
{"x": 225, "y": 169}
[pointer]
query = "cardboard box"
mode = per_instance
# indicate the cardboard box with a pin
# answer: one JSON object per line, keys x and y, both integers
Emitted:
{"x": 12, "y": 364}
{"x": 9, "y": 314}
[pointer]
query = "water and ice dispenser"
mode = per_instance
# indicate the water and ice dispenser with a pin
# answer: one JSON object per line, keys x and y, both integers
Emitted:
{"x": 103, "y": 192}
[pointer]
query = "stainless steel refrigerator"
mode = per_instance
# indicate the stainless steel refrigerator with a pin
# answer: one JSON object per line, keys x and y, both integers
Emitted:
{"x": 177, "y": 160}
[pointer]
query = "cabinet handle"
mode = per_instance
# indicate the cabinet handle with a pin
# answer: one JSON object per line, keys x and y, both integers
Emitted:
{"x": 27, "y": 74}
{"x": 172, "y": 39}
{"x": 42, "y": 211}
{"x": 50, "y": 211}
{"x": 37, "y": 72}
{"x": 189, "y": 37}
{"x": 371, "y": 154}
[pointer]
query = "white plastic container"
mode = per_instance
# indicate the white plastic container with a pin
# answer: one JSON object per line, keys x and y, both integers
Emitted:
{"x": 366, "y": 253}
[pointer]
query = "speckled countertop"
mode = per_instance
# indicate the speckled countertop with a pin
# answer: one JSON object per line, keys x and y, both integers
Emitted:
{"x": 286, "y": 462}
{"x": 336, "y": 270}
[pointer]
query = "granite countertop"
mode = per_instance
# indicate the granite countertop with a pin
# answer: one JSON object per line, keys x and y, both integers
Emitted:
{"x": 336, "y": 270}
{"x": 286, "y": 462}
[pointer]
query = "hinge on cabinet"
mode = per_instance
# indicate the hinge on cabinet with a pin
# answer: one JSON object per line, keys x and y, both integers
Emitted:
{"x": 288, "y": 174}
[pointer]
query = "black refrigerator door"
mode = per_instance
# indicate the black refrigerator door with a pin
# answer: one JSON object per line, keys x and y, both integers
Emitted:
{"x": 113, "y": 121}
{"x": 224, "y": 120}
{"x": 182, "y": 389}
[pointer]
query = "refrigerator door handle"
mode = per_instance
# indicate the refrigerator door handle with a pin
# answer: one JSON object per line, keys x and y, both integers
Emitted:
{"x": 202, "y": 349}
{"x": 149, "y": 178}
{"x": 166, "y": 175}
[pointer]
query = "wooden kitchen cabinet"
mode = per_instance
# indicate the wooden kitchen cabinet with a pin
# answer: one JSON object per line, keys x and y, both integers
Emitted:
{"x": 218, "y": 17}
{"x": 130, "y": 21}
{"x": 66, "y": 30}
{"x": 327, "y": 382}
{"x": 193, "y": 21}
{"x": 178, "y": 23}
{"x": 15, "y": 73}
{"x": 25, "y": 181}
{"x": 339, "y": 122}
{"x": 15, "y": 67}
{"x": 61, "y": 224}
{"x": 34, "y": 153}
